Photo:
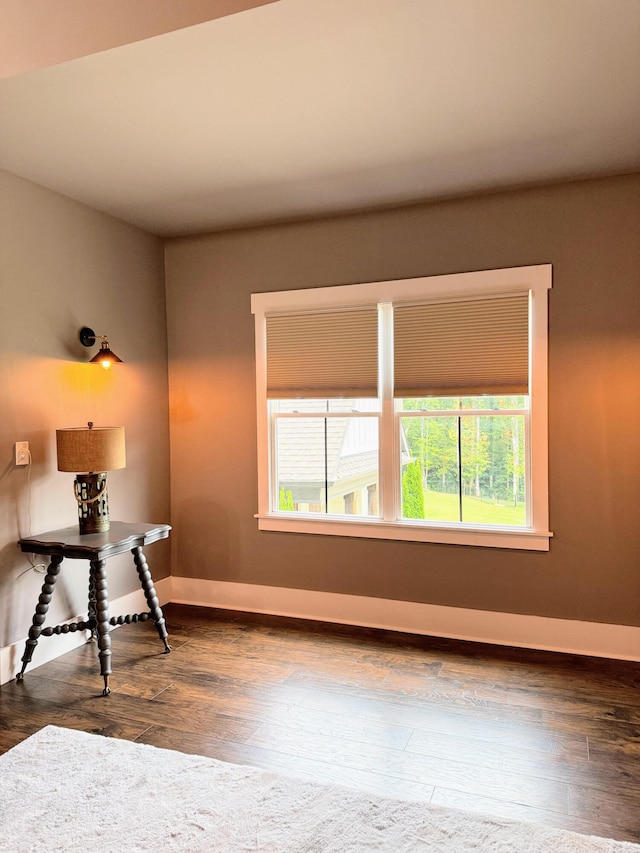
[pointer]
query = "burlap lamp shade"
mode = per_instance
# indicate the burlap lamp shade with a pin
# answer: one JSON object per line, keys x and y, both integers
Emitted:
{"x": 89, "y": 452}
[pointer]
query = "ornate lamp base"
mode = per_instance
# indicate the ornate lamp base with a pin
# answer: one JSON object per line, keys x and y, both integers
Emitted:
{"x": 93, "y": 502}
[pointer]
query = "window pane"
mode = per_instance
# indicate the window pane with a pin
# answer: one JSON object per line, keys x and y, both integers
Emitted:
{"x": 493, "y": 470}
{"x": 327, "y": 465}
{"x": 338, "y": 405}
{"x": 433, "y": 404}
{"x": 491, "y": 455}
{"x": 492, "y": 402}
{"x": 429, "y": 404}
{"x": 430, "y": 450}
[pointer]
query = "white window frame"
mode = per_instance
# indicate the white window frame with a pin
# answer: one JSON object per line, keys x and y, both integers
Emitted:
{"x": 535, "y": 536}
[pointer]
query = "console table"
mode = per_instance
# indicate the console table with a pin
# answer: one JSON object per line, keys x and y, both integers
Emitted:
{"x": 96, "y": 548}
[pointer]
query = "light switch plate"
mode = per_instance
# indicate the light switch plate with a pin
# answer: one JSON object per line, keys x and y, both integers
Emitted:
{"x": 23, "y": 457}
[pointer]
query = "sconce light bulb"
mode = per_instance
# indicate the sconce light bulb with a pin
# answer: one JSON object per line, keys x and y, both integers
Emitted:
{"x": 106, "y": 364}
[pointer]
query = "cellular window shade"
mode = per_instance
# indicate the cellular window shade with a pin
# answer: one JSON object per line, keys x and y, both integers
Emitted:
{"x": 462, "y": 348}
{"x": 324, "y": 354}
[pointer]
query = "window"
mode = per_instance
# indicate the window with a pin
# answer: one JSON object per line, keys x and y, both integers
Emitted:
{"x": 412, "y": 409}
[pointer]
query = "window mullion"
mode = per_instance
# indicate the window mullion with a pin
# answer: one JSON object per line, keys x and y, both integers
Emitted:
{"x": 389, "y": 465}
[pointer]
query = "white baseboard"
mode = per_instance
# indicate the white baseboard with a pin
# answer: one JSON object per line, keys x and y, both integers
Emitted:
{"x": 49, "y": 648}
{"x": 620, "y": 642}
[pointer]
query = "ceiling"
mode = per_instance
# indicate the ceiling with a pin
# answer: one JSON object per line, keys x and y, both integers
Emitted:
{"x": 303, "y": 108}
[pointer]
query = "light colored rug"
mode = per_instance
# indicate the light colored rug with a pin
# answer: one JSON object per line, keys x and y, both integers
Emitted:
{"x": 63, "y": 790}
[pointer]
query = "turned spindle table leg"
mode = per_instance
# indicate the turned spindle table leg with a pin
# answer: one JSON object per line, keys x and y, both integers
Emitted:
{"x": 150, "y": 594}
{"x": 99, "y": 573}
{"x": 92, "y": 616}
{"x": 41, "y": 613}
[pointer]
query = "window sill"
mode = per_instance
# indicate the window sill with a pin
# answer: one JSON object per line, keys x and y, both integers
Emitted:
{"x": 489, "y": 537}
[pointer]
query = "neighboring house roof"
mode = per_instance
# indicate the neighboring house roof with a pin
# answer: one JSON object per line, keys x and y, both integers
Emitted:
{"x": 357, "y": 464}
{"x": 351, "y": 446}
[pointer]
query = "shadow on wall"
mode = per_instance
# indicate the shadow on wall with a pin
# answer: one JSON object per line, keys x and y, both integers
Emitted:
{"x": 19, "y": 605}
{"x": 18, "y": 590}
{"x": 10, "y": 573}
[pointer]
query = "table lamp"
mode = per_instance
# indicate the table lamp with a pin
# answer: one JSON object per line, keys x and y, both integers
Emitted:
{"x": 89, "y": 452}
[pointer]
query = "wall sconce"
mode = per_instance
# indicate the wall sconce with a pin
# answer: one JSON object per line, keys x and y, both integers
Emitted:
{"x": 104, "y": 356}
{"x": 89, "y": 452}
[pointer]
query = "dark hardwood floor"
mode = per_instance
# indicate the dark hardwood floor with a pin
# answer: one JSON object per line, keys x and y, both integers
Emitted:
{"x": 545, "y": 737}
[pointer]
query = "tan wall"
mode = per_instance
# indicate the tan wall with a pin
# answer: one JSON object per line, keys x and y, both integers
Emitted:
{"x": 63, "y": 266}
{"x": 590, "y": 233}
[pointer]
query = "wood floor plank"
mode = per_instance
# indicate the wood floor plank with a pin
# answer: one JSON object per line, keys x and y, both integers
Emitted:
{"x": 430, "y": 696}
{"x": 42, "y": 713}
{"x": 432, "y": 770}
{"x": 562, "y": 765}
{"x": 305, "y": 768}
{"x": 576, "y": 696}
{"x": 600, "y": 804}
{"x": 503, "y": 809}
{"x": 339, "y": 727}
{"x": 609, "y": 732}
{"x": 496, "y": 725}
